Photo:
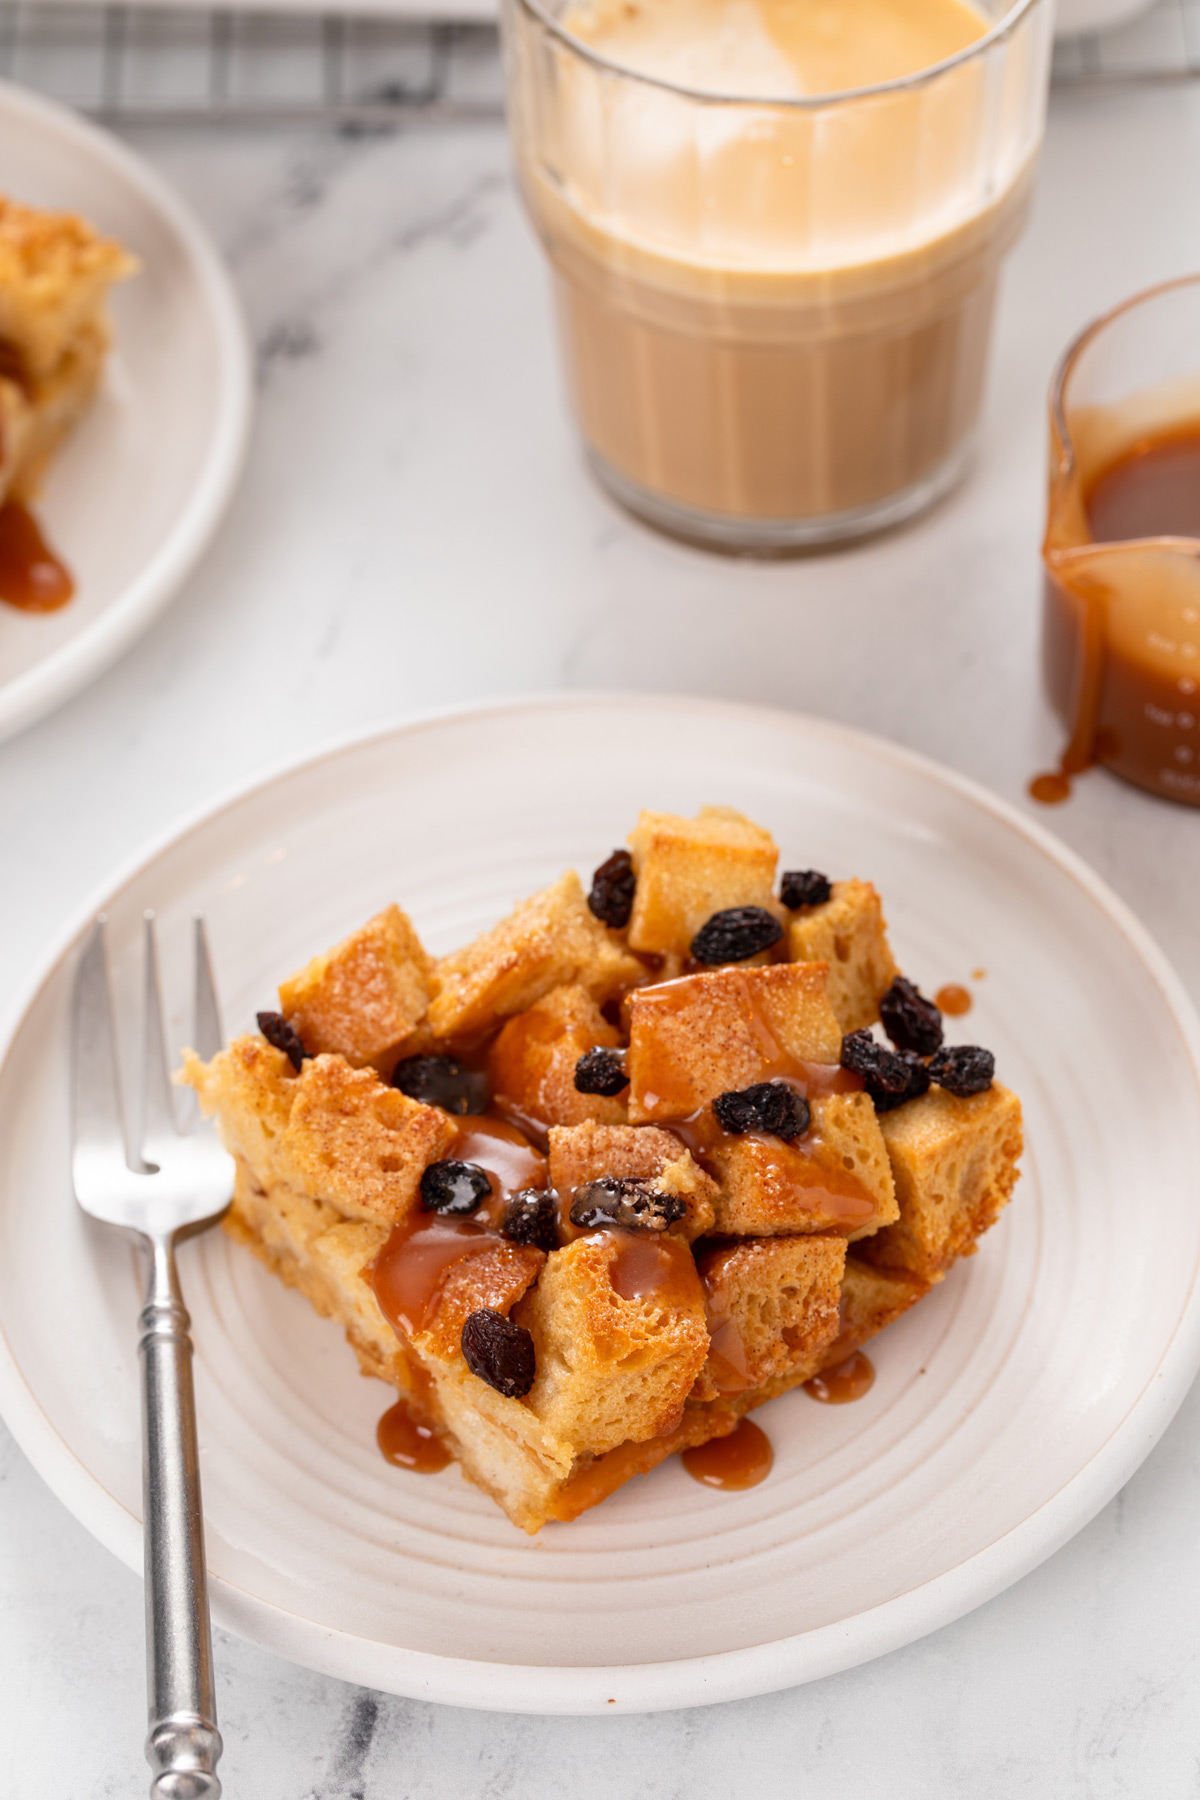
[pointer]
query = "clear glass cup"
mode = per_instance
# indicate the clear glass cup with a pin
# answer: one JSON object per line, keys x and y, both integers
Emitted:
{"x": 1121, "y": 636}
{"x": 775, "y": 314}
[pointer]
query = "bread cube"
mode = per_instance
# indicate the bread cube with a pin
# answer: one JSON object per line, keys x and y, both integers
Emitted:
{"x": 836, "y": 1178}
{"x": 703, "y": 1034}
{"x": 772, "y": 1308}
{"x": 611, "y": 1368}
{"x": 358, "y": 1144}
{"x": 583, "y": 1153}
{"x": 250, "y": 1086}
{"x": 848, "y": 933}
{"x": 363, "y": 998}
{"x": 55, "y": 271}
{"x": 549, "y": 941}
{"x": 688, "y": 869}
{"x": 531, "y": 1065}
{"x": 955, "y": 1166}
{"x": 870, "y": 1300}
{"x": 496, "y": 1277}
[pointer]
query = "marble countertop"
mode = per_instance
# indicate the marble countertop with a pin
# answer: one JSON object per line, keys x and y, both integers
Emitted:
{"x": 415, "y": 527}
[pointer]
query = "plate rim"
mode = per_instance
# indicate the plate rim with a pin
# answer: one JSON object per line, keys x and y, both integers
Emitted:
{"x": 600, "y": 1689}
{"x": 61, "y": 674}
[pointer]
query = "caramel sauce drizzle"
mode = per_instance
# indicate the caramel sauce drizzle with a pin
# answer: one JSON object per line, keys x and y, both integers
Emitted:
{"x": 408, "y": 1443}
{"x": 953, "y": 1000}
{"x": 845, "y": 1381}
{"x": 653, "y": 1268}
{"x": 738, "y": 1461}
{"x": 31, "y": 576}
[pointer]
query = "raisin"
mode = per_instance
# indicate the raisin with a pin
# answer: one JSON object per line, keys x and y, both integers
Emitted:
{"x": 804, "y": 887}
{"x": 735, "y": 934}
{"x": 285, "y": 1037}
{"x": 918, "y": 1084}
{"x": 601, "y": 1072}
{"x": 531, "y": 1217}
{"x": 910, "y": 1020}
{"x": 441, "y": 1081}
{"x": 622, "y": 1200}
{"x": 885, "y": 1072}
{"x": 454, "y": 1187}
{"x": 770, "y": 1106}
{"x": 966, "y": 1069}
{"x": 500, "y": 1352}
{"x": 613, "y": 884}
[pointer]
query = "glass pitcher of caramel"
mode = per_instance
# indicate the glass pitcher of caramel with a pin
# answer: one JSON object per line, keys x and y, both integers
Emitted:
{"x": 1121, "y": 639}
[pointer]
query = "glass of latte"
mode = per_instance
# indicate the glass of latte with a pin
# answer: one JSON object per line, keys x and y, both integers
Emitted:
{"x": 775, "y": 229}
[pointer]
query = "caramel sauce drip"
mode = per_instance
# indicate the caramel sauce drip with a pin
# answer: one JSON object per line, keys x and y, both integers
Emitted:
{"x": 953, "y": 1000}
{"x": 653, "y": 1268}
{"x": 505, "y": 1154}
{"x": 31, "y": 577}
{"x": 410, "y": 1269}
{"x": 1121, "y": 645}
{"x": 845, "y": 1381}
{"x": 405, "y": 1441}
{"x": 741, "y": 1460}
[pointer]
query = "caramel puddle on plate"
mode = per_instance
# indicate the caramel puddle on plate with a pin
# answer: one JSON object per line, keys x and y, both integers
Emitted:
{"x": 31, "y": 577}
{"x": 741, "y": 1460}
{"x": 953, "y": 1000}
{"x": 848, "y": 1380}
{"x": 407, "y": 1444}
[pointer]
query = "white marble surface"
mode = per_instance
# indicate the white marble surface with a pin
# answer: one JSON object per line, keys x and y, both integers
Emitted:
{"x": 414, "y": 527}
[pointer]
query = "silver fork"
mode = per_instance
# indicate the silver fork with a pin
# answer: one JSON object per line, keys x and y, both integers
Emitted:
{"x": 175, "y": 1185}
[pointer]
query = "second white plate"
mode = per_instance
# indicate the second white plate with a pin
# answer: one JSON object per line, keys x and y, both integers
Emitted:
{"x": 141, "y": 485}
{"x": 1008, "y": 1407}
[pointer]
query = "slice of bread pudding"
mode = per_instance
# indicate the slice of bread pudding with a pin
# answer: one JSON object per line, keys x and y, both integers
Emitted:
{"x": 632, "y": 1163}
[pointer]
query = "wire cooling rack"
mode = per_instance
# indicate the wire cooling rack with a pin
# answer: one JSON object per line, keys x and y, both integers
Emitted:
{"x": 145, "y": 65}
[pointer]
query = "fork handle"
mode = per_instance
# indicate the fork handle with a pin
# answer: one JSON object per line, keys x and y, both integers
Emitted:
{"x": 183, "y": 1744}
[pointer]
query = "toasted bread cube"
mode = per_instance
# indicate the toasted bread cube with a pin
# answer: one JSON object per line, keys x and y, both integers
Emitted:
{"x": 495, "y": 1278}
{"x": 549, "y": 941}
{"x": 772, "y": 1309}
{"x": 703, "y": 1034}
{"x": 583, "y": 1153}
{"x": 850, "y": 934}
{"x": 688, "y": 869}
{"x": 532, "y": 1062}
{"x": 55, "y": 272}
{"x": 250, "y": 1086}
{"x": 610, "y": 1368}
{"x": 955, "y": 1166}
{"x": 364, "y": 997}
{"x": 835, "y": 1178}
{"x": 358, "y": 1144}
{"x": 870, "y": 1300}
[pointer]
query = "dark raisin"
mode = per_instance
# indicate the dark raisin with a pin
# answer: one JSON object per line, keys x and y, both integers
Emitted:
{"x": 770, "y": 1106}
{"x": 454, "y": 1187}
{"x": 601, "y": 1072}
{"x": 613, "y": 884}
{"x": 804, "y": 887}
{"x": 918, "y": 1084}
{"x": 963, "y": 1070}
{"x": 440, "y": 1081}
{"x": 621, "y": 1200}
{"x": 735, "y": 934}
{"x": 531, "y": 1217}
{"x": 499, "y": 1352}
{"x": 885, "y": 1072}
{"x": 285, "y": 1037}
{"x": 910, "y": 1020}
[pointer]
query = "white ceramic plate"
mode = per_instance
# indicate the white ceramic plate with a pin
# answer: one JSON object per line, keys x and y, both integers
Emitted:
{"x": 1008, "y": 1408}
{"x": 138, "y": 489}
